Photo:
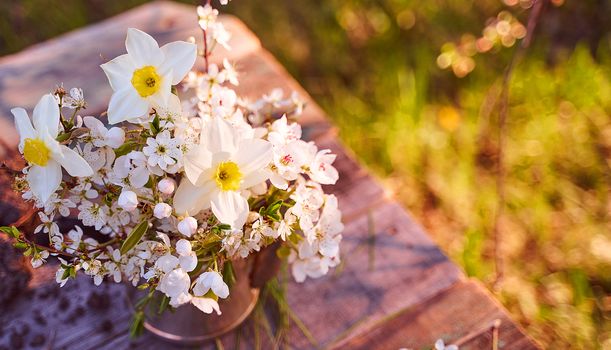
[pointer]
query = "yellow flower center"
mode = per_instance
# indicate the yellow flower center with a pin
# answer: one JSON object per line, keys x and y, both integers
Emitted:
{"x": 146, "y": 81}
{"x": 228, "y": 176}
{"x": 36, "y": 152}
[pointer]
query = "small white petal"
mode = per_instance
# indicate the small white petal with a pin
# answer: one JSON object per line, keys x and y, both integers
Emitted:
{"x": 115, "y": 137}
{"x": 143, "y": 49}
{"x": 128, "y": 201}
{"x": 206, "y": 305}
{"x": 187, "y": 226}
{"x": 46, "y": 115}
{"x": 74, "y": 164}
{"x": 183, "y": 247}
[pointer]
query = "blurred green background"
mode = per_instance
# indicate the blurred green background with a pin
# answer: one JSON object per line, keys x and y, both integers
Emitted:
{"x": 414, "y": 87}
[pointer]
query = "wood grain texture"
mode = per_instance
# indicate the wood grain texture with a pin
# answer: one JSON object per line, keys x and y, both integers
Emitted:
{"x": 466, "y": 310}
{"x": 391, "y": 267}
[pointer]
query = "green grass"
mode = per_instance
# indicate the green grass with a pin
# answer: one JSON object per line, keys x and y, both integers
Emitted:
{"x": 433, "y": 137}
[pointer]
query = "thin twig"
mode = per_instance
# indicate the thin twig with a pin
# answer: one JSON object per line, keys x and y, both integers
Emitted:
{"x": 495, "y": 334}
{"x": 493, "y": 326}
{"x": 502, "y": 135}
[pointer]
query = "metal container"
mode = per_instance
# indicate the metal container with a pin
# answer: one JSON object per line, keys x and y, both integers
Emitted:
{"x": 188, "y": 325}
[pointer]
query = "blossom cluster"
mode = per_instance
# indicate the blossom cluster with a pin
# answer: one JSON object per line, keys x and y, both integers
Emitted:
{"x": 186, "y": 177}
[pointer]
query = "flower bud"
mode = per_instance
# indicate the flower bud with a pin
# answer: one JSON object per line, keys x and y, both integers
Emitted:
{"x": 162, "y": 210}
{"x": 187, "y": 226}
{"x": 166, "y": 186}
{"x": 128, "y": 200}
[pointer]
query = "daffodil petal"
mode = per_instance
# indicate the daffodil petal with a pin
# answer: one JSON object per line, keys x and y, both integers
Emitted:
{"x": 143, "y": 49}
{"x": 23, "y": 125}
{"x": 193, "y": 199}
{"x": 46, "y": 115}
{"x": 126, "y": 104}
{"x": 179, "y": 58}
{"x": 197, "y": 161}
{"x": 253, "y": 154}
{"x": 230, "y": 208}
{"x": 74, "y": 164}
{"x": 255, "y": 178}
{"x": 220, "y": 136}
{"x": 161, "y": 99}
{"x": 119, "y": 71}
{"x": 44, "y": 181}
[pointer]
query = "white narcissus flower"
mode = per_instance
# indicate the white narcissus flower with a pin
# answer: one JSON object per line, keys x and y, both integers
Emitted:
{"x": 142, "y": 78}
{"x": 44, "y": 154}
{"x": 211, "y": 280}
{"x": 218, "y": 168}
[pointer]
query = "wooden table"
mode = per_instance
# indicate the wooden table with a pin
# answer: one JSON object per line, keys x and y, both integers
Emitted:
{"x": 408, "y": 295}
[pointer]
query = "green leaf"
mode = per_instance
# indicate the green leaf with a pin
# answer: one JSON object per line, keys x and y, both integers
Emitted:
{"x": 224, "y": 227}
{"x": 275, "y": 206}
{"x": 125, "y": 148}
{"x": 155, "y": 128}
{"x": 134, "y": 237}
{"x": 137, "y": 326}
{"x": 63, "y": 136}
{"x": 165, "y": 301}
{"x": 20, "y": 245}
{"x": 12, "y": 231}
{"x": 228, "y": 273}
{"x": 66, "y": 274}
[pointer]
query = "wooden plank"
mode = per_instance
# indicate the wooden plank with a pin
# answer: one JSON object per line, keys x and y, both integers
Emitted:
{"x": 389, "y": 264}
{"x": 464, "y": 313}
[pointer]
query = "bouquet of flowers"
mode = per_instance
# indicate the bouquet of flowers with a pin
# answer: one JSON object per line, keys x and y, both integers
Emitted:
{"x": 186, "y": 178}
